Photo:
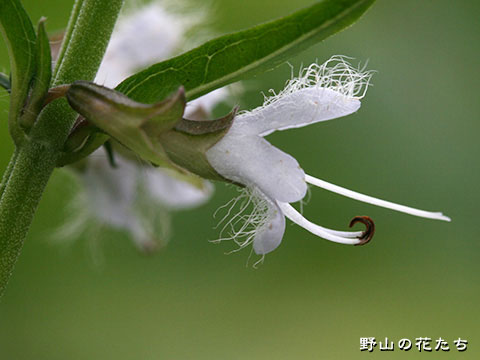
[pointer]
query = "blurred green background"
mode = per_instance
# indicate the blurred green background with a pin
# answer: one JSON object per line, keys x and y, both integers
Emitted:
{"x": 414, "y": 141}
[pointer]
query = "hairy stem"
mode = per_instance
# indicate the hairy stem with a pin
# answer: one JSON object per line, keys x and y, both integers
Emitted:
{"x": 8, "y": 173}
{"x": 68, "y": 34}
{"x": 33, "y": 167}
{"x": 90, "y": 28}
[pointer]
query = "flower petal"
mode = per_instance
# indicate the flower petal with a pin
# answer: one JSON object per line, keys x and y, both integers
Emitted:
{"x": 174, "y": 193}
{"x": 254, "y": 162}
{"x": 303, "y": 107}
{"x": 140, "y": 39}
{"x": 111, "y": 191}
{"x": 146, "y": 34}
{"x": 269, "y": 235}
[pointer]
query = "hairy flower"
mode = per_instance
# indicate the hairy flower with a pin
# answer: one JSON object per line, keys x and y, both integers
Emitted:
{"x": 273, "y": 178}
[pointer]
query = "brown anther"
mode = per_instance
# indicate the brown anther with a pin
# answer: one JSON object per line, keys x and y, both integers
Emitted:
{"x": 369, "y": 231}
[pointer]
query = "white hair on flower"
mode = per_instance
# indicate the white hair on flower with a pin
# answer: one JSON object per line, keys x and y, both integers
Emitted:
{"x": 274, "y": 178}
{"x": 336, "y": 74}
{"x": 251, "y": 214}
{"x": 319, "y": 93}
{"x": 257, "y": 221}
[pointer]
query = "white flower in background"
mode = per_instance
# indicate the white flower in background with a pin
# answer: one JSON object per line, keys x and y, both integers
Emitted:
{"x": 274, "y": 179}
{"x": 140, "y": 39}
{"x": 146, "y": 35}
{"x": 152, "y": 33}
{"x": 133, "y": 196}
{"x": 130, "y": 197}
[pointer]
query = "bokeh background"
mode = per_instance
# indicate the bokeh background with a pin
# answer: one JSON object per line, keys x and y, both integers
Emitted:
{"x": 414, "y": 141}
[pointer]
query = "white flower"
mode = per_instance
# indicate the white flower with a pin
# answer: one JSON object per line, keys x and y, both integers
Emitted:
{"x": 146, "y": 35}
{"x": 131, "y": 196}
{"x": 273, "y": 178}
{"x": 149, "y": 34}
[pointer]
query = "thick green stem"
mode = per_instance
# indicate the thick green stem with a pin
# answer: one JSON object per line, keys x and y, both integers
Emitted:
{"x": 87, "y": 37}
{"x": 68, "y": 34}
{"x": 32, "y": 169}
{"x": 8, "y": 173}
{"x": 88, "y": 33}
{"x": 90, "y": 28}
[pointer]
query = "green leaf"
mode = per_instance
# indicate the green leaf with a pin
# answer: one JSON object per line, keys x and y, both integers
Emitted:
{"x": 19, "y": 35}
{"x": 232, "y": 57}
{"x": 42, "y": 77}
{"x": 136, "y": 126}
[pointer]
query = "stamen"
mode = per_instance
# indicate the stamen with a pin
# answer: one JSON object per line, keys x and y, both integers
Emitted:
{"x": 347, "y": 234}
{"x": 369, "y": 231}
{"x": 374, "y": 201}
{"x": 341, "y": 237}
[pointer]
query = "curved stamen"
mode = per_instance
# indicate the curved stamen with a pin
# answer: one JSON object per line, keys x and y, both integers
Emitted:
{"x": 327, "y": 234}
{"x": 374, "y": 201}
{"x": 367, "y": 235}
{"x": 346, "y": 234}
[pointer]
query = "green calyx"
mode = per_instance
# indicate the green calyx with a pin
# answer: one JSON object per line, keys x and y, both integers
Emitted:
{"x": 187, "y": 143}
{"x": 157, "y": 133}
{"x": 135, "y": 125}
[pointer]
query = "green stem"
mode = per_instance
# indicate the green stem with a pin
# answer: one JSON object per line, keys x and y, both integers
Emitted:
{"x": 68, "y": 35}
{"x": 87, "y": 38}
{"x": 33, "y": 167}
{"x": 90, "y": 28}
{"x": 8, "y": 173}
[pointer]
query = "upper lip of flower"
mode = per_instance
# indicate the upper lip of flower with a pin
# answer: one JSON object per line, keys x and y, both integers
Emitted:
{"x": 321, "y": 92}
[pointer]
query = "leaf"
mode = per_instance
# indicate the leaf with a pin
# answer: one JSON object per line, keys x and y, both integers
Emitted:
{"x": 42, "y": 77}
{"x": 19, "y": 35}
{"x": 232, "y": 57}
